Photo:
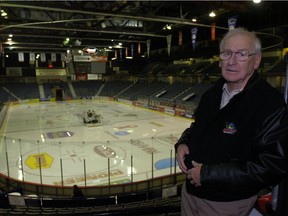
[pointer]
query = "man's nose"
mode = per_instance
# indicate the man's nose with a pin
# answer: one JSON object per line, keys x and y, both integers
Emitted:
{"x": 232, "y": 58}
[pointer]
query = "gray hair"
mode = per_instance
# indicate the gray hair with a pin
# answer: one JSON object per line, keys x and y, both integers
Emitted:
{"x": 242, "y": 31}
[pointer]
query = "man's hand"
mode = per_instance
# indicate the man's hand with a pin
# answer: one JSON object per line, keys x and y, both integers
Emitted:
{"x": 194, "y": 174}
{"x": 182, "y": 150}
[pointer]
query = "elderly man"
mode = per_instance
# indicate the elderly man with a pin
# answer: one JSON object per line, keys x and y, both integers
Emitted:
{"x": 238, "y": 142}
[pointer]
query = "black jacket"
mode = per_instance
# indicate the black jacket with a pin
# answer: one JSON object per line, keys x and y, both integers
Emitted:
{"x": 243, "y": 146}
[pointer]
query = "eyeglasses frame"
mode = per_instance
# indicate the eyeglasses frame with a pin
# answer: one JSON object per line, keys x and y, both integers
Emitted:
{"x": 231, "y": 54}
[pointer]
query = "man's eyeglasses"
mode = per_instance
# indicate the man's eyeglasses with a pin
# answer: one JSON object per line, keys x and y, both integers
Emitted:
{"x": 240, "y": 56}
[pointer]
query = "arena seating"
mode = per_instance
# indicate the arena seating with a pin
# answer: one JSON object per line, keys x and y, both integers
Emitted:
{"x": 47, "y": 89}
{"x": 211, "y": 69}
{"x": 205, "y": 68}
{"x": 148, "y": 69}
{"x": 14, "y": 91}
{"x": 150, "y": 89}
{"x": 141, "y": 203}
{"x": 142, "y": 90}
{"x": 174, "y": 90}
{"x": 269, "y": 62}
{"x": 112, "y": 88}
{"x": 198, "y": 90}
{"x": 4, "y": 95}
{"x": 131, "y": 91}
{"x": 86, "y": 88}
{"x": 279, "y": 67}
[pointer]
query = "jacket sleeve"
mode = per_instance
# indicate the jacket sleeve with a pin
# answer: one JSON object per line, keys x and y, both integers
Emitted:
{"x": 185, "y": 137}
{"x": 268, "y": 167}
{"x": 188, "y": 134}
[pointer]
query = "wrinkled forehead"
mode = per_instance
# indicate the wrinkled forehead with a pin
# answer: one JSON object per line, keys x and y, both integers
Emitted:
{"x": 238, "y": 42}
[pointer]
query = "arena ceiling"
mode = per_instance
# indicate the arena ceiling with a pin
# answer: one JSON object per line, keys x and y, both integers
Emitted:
{"x": 44, "y": 25}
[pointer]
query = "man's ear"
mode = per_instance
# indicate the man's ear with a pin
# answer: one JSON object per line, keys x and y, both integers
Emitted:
{"x": 257, "y": 61}
{"x": 220, "y": 64}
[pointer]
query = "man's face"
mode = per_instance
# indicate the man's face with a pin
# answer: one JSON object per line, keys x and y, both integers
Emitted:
{"x": 239, "y": 72}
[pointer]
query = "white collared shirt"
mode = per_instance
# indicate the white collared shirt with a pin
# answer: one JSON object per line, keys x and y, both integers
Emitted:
{"x": 226, "y": 95}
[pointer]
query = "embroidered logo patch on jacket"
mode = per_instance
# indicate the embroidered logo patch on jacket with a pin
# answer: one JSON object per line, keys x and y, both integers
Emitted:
{"x": 230, "y": 128}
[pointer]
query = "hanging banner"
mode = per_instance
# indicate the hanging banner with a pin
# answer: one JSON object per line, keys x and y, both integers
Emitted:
{"x": 31, "y": 57}
{"x": 62, "y": 56}
{"x": 43, "y": 57}
{"x": 21, "y": 57}
{"x": 120, "y": 54}
{"x": 169, "y": 38}
{"x": 148, "y": 42}
{"x": 126, "y": 51}
{"x": 193, "y": 36}
{"x": 213, "y": 31}
{"x": 132, "y": 50}
{"x": 115, "y": 54}
{"x": 69, "y": 56}
{"x": 232, "y": 22}
{"x": 105, "y": 52}
{"x": 180, "y": 36}
{"x": 53, "y": 57}
{"x": 139, "y": 48}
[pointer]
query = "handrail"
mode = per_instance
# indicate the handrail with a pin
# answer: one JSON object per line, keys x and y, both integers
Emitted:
{"x": 10, "y": 184}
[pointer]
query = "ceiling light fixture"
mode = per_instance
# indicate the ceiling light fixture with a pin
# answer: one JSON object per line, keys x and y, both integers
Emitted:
{"x": 66, "y": 41}
{"x": 77, "y": 42}
{"x": 256, "y": 1}
{"x": 103, "y": 25}
{"x": 3, "y": 13}
{"x": 167, "y": 27}
{"x": 212, "y": 14}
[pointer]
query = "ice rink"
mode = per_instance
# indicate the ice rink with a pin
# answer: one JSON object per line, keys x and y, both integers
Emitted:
{"x": 48, "y": 143}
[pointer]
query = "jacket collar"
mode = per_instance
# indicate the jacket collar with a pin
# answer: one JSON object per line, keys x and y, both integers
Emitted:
{"x": 251, "y": 82}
